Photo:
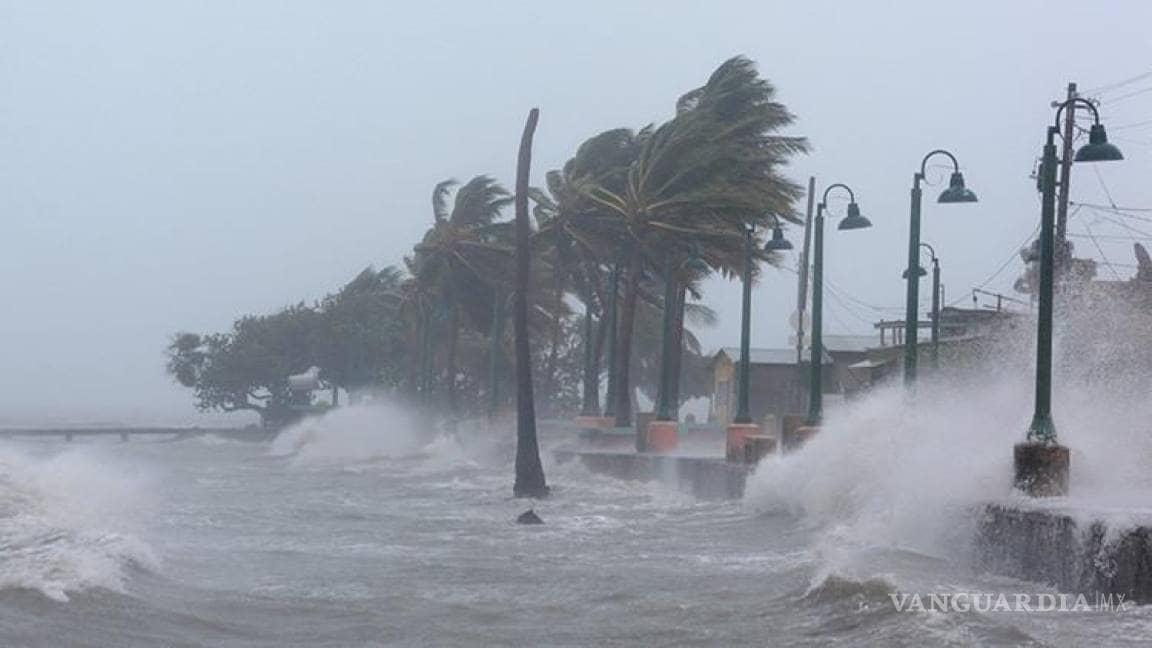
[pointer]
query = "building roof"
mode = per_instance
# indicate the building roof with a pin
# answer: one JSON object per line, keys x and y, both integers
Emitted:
{"x": 767, "y": 356}
{"x": 850, "y": 343}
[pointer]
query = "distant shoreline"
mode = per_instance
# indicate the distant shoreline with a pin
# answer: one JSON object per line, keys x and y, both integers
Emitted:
{"x": 253, "y": 433}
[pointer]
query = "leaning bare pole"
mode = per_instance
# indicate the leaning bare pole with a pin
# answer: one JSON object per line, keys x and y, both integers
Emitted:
{"x": 529, "y": 471}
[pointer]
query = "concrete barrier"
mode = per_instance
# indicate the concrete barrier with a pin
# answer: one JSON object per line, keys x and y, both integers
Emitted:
{"x": 734, "y": 443}
{"x": 703, "y": 477}
{"x": 1070, "y": 552}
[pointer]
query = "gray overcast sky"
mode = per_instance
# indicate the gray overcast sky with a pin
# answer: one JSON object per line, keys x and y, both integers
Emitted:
{"x": 169, "y": 166}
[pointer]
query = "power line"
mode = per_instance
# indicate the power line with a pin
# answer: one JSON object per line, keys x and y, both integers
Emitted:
{"x": 1118, "y": 84}
{"x": 1132, "y": 125}
{"x": 1007, "y": 261}
{"x": 1114, "y": 207}
{"x": 1126, "y": 226}
{"x": 1111, "y": 237}
{"x": 1107, "y": 193}
{"x": 1113, "y": 102}
{"x": 1101, "y": 251}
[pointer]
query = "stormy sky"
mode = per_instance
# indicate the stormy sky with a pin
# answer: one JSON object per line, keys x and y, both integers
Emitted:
{"x": 169, "y": 166}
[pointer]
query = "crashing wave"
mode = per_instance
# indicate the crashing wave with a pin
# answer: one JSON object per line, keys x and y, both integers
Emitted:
{"x": 53, "y": 526}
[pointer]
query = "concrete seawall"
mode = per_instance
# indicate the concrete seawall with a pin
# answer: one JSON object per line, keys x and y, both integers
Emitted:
{"x": 709, "y": 478}
{"x": 1074, "y": 549}
{"x": 1072, "y": 552}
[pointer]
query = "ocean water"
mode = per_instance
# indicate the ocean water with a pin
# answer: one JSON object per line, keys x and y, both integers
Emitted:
{"x": 355, "y": 530}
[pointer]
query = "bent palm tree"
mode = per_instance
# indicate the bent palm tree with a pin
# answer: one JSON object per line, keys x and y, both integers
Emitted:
{"x": 457, "y": 263}
{"x": 697, "y": 182}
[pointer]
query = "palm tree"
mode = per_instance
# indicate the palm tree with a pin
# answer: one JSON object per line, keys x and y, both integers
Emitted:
{"x": 455, "y": 264}
{"x": 698, "y": 181}
{"x": 529, "y": 470}
{"x": 576, "y": 237}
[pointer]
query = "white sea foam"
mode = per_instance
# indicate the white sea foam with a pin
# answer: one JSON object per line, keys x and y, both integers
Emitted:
{"x": 908, "y": 471}
{"x": 62, "y": 522}
{"x": 364, "y": 433}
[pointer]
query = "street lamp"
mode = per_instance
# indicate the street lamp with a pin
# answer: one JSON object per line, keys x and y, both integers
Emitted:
{"x": 743, "y": 412}
{"x": 742, "y": 425}
{"x": 955, "y": 193}
{"x": 1042, "y": 463}
{"x": 920, "y": 272}
{"x": 776, "y": 244}
{"x": 850, "y": 222}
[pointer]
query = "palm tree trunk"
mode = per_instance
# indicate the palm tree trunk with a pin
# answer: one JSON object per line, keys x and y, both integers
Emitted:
{"x": 451, "y": 369}
{"x": 557, "y": 321}
{"x": 590, "y": 405}
{"x": 529, "y": 471}
{"x": 623, "y": 395}
{"x": 677, "y": 350}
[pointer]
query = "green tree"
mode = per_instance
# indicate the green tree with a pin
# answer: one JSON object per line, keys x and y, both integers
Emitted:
{"x": 696, "y": 183}
{"x": 247, "y": 368}
{"x": 458, "y": 262}
{"x": 361, "y": 341}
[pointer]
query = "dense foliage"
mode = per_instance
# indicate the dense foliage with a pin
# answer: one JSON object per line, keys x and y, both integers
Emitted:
{"x": 664, "y": 203}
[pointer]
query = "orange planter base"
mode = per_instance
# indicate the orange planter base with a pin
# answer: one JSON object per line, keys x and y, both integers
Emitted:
{"x": 662, "y": 436}
{"x": 737, "y": 432}
{"x": 798, "y": 437}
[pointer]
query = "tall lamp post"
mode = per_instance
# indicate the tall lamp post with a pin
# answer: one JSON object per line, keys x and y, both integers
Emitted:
{"x": 1041, "y": 463}
{"x": 936, "y": 297}
{"x": 815, "y": 371}
{"x": 955, "y": 193}
{"x": 742, "y": 424}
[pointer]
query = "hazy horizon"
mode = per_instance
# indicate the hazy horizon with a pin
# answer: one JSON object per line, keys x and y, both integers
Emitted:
{"x": 171, "y": 167}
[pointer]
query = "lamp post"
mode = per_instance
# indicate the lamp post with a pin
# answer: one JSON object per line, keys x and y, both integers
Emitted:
{"x": 1042, "y": 463}
{"x": 955, "y": 193}
{"x": 936, "y": 298}
{"x": 742, "y": 424}
{"x": 815, "y": 372}
{"x": 743, "y": 412}
{"x": 935, "y": 306}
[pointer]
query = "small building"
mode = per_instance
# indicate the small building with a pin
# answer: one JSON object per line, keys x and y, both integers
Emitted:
{"x": 778, "y": 384}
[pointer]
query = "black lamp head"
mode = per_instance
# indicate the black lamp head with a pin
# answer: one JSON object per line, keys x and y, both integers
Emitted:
{"x": 854, "y": 220}
{"x": 920, "y": 272}
{"x": 956, "y": 191}
{"x": 1098, "y": 149}
{"x": 778, "y": 243}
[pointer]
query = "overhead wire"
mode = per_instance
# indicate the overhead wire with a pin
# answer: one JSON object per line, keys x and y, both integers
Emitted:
{"x": 1107, "y": 262}
{"x": 1119, "y": 84}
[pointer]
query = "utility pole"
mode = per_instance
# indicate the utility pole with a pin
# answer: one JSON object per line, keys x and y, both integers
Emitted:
{"x": 802, "y": 284}
{"x": 1063, "y": 254}
{"x": 802, "y": 290}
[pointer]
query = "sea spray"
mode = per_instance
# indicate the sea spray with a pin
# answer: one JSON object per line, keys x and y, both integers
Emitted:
{"x": 354, "y": 433}
{"x": 65, "y": 522}
{"x": 381, "y": 431}
{"x": 910, "y": 470}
